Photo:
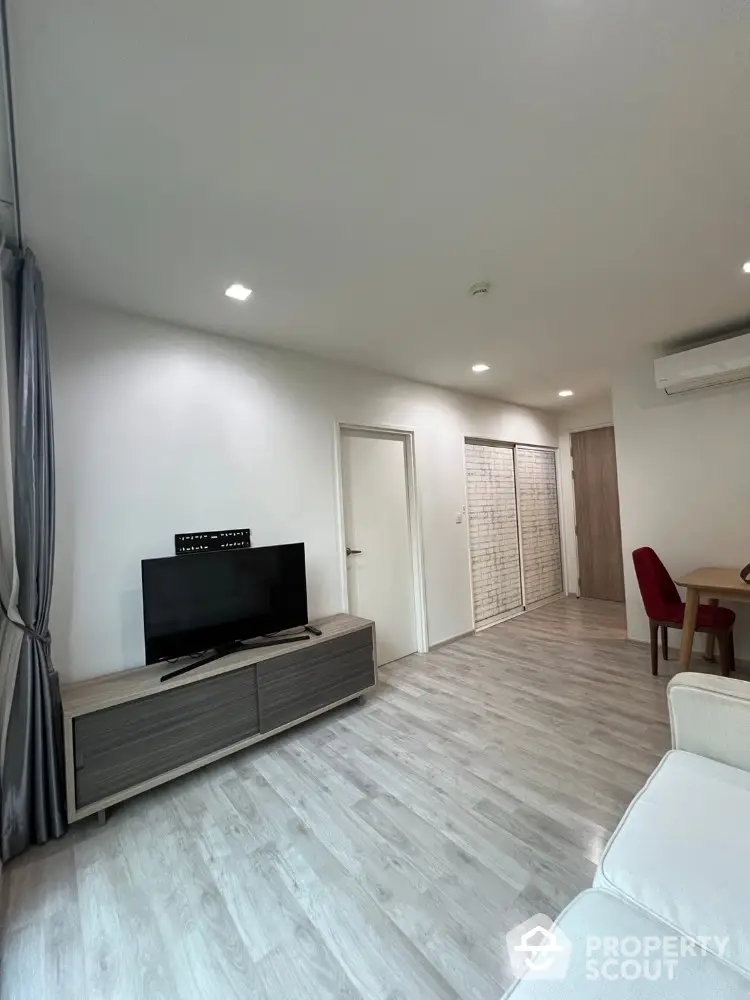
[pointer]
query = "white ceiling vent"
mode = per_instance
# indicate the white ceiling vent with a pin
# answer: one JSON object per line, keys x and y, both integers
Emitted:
{"x": 702, "y": 367}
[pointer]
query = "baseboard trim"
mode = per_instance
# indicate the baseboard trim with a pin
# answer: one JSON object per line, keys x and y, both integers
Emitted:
{"x": 453, "y": 638}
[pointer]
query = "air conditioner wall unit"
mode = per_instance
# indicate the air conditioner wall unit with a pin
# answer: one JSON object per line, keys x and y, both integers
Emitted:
{"x": 716, "y": 364}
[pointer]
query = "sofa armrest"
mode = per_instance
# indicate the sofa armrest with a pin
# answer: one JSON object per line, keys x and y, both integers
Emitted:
{"x": 710, "y": 716}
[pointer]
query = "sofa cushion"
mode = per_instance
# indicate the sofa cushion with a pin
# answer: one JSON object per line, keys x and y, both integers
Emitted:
{"x": 680, "y": 851}
{"x": 602, "y": 915}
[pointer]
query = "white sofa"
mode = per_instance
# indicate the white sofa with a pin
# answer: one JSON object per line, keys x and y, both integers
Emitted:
{"x": 676, "y": 871}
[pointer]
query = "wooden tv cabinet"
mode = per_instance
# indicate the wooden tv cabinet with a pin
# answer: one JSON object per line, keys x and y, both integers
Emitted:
{"x": 128, "y": 732}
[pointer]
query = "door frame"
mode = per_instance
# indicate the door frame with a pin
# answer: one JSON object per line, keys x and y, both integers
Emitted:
{"x": 414, "y": 511}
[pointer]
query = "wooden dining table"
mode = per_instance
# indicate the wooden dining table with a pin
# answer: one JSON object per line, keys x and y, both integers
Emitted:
{"x": 714, "y": 582}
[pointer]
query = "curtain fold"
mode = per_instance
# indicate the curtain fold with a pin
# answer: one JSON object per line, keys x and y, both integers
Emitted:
{"x": 10, "y": 637}
{"x": 32, "y": 796}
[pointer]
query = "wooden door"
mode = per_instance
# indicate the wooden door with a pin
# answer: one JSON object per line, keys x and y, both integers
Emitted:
{"x": 597, "y": 514}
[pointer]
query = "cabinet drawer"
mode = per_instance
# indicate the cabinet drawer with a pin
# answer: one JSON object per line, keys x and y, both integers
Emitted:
{"x": 293, "y": 686}
{"x": 122, "y": 746}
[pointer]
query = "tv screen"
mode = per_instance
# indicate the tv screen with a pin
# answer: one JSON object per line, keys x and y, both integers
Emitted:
{"x": 209, "y": 600}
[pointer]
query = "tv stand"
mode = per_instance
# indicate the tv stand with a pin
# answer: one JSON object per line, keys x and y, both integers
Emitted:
{"x": 128, "y": 732}
{"x": 216, "y": 654}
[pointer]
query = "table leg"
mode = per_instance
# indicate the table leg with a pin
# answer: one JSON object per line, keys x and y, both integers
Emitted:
{"x": 710, "y": 636}
{"x": 688, "y": 627}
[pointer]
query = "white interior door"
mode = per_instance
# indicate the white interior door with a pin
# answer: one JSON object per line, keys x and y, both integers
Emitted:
{"x": 379, "y": 562}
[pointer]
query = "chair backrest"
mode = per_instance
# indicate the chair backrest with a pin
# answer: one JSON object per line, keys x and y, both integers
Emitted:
{"x": 657, "y": 587}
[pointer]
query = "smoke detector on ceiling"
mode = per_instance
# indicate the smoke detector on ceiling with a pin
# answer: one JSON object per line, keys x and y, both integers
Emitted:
{"x": 480, "y": 288}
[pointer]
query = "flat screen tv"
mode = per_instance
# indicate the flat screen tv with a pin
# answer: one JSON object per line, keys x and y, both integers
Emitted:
{"x": 215, "y": 600}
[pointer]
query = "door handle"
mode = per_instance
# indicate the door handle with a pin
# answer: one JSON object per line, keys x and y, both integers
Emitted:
{"x": 353, "y": 552}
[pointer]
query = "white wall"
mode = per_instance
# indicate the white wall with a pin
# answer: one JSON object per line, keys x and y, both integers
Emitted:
{"x": 582, "y": 417}
{"x": 683, "y": 465}
{"x": 160, "y": 430}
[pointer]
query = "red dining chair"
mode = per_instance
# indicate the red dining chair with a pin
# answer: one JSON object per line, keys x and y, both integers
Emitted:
{"x": 665, "y": 610}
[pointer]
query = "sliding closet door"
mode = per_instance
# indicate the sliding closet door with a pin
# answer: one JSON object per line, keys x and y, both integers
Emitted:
{"x": 493, "y": 531}
{"x": 539, "y": 520}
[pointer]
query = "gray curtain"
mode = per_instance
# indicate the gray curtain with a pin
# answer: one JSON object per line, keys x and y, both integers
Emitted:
{"x": 32, "y": 795}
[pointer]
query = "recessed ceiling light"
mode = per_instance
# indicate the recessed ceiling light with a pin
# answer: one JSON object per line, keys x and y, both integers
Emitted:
{"x": 480, "y": 368}
{"x": 565, "y": 392}
{"x": 238, "y": 292}
{"x": 746, "y": 267}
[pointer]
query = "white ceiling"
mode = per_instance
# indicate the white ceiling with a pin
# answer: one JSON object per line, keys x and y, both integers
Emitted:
{"x": 360, "y": 164}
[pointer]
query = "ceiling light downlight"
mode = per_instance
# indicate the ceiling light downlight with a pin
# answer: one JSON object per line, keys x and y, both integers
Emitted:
{"x": 746, "y": 267}
{"x": 239, "y": 292}
{"x": 565, "y": 392}
{"x": 480, "y": 368}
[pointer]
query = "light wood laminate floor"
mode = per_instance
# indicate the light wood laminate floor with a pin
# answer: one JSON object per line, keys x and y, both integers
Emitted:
{"x": 380, "y": 852}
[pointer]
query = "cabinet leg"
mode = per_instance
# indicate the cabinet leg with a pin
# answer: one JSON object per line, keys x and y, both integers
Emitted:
{"x": 102, "y": 816}
{"x": 362, "y": 700}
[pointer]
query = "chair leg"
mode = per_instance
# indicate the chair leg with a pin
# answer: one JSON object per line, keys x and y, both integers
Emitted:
{"x": 711, "y": 636}
{"x": 726, "y": 651}
{"x": 654, "y": 630}
{"x": 664, "y": 642}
